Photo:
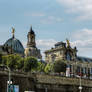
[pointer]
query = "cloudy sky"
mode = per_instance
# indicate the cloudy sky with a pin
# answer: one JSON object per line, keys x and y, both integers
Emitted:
{"x": 52, "y": 21}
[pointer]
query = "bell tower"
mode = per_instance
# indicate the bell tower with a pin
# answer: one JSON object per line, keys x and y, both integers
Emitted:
{"x": 31, "y": 38}
{"x": 31, "y": 49}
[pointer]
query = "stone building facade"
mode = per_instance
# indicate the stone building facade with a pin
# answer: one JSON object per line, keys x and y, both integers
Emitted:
{"x": 76, "y": 65}
{"x": 31, "y": 49}
{"x": 14, "y": 46}
{"x": 61, "y": 51}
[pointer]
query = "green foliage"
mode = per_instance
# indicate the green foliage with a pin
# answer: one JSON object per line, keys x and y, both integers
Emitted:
{"x": 49, "y": 68}
{"x": 41, "y": 66}
{"x": 20, "y": 64}
{"x": 0, "y": 58}
{"x": 30, "y": 63}
{"x": 16, "y": 62}
{"x": 11, "y": 61}
{"x": 59, "y": 66}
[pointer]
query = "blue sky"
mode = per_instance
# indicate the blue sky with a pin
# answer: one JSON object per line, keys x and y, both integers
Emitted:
{"x": 52, "y": 20}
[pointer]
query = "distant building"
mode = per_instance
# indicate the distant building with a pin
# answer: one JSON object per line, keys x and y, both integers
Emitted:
{"x": 31, "y": 49}
{"x": 14, "y": 46}
{"x": 76, "y": 65}
{"x": 61, "y": 51}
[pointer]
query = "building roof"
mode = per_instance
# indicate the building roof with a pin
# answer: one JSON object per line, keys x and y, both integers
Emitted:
{"x": 15, "y": 44}
{"x": 31, "y": 31}
{"x": 84, "y": 59}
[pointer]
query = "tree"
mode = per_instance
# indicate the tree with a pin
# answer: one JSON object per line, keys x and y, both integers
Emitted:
{"x": 20, "y": 64}
{"x": 59, "y": 66}
{"x": 49, "y": 68}
{"x": 30, "y": 63}
{"x": 41, "y": 66}
{"x": 11, "y": 61}
{"x": 0, "y": 58}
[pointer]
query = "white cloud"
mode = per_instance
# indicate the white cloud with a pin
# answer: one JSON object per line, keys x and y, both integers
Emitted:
{"x": 51, "y": 20}
{"x": 44, "y": 18}
{"x": 82, "y": 7}
{"x": 83, "y": 34}
{"x": 45, "y": 45}
{"x": 35, "y": 14}
{"x": 83, "y": 41}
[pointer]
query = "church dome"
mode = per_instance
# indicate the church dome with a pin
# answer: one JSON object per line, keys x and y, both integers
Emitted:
{"x": 15, "y": 44}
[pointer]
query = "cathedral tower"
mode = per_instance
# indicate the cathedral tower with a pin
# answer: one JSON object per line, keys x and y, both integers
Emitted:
{"x": 31, "y": 38}
{"x": 31, "y": 49}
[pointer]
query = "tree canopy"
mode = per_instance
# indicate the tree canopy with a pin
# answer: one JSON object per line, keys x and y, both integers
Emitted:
{"x": 30, "y": 63}
{"x": 59, "y": 66}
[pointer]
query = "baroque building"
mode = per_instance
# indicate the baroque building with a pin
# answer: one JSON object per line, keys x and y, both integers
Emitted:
{"x": 31, "y": 49}
{"x": 61, "y": 51}
{"x": 76, "y": 65}
{"x": 12, "y": 46}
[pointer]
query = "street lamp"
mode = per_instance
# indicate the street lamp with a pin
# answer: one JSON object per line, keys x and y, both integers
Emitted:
{"x": 9, "y": 82}
{"x": 80, "y": 87}
{"x": 46, "y": 90}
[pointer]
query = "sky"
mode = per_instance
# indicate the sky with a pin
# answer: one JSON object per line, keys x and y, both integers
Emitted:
{"x": 52, "y": 20}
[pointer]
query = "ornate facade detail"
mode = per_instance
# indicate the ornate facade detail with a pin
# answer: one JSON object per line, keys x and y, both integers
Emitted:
{"x": 61, "y": 51}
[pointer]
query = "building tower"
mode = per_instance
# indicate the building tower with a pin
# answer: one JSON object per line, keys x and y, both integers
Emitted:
{"x": 31, "y": 49}
{"x": 31, "y": 38}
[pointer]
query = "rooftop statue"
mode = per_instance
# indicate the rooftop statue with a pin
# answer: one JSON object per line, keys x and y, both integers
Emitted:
{"x": 68, "y": 43}
{"x": 13, "y": 31}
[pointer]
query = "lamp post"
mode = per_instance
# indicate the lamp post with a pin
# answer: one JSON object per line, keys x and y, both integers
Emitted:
{"x": 9, "y": 82}
{"x": 46, "y": 90}
{"x": 80, "y": 87}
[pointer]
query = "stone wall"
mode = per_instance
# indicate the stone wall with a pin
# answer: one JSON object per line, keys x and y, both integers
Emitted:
{"x": 61, "y": 84}
{"x": 43, "y": 83}
{"x": 24, "y": 81}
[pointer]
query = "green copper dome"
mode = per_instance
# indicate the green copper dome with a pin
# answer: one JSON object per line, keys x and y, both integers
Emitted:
{"x": 15, "y": 44}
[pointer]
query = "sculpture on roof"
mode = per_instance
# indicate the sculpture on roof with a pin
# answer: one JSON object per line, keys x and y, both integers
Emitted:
{"x": 68, "y": 43}
{"x": 13, "y": 31}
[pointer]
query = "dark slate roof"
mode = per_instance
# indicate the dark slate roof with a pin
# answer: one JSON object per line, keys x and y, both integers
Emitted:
{"x": 84, "y": 59}
{"x": 59, "y": 44}
{"x": 15, "y": 44}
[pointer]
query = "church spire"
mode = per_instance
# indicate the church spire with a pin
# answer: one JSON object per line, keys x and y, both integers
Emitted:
{"x": 13, "y": 32}
{"x": 31, "y": 28}
{"x": 31, "y": 38}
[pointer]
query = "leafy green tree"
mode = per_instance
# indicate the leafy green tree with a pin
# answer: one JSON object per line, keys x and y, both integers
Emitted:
{"x": 0, "y": 58}
{"x": 11, "y": 61}
{"x": 41, "y": 66}
{"x": 30, "y": 64}
{"x": 20, "y": 64}
{"x": 49, "y": 68}
{"x": 59, "y": 66}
